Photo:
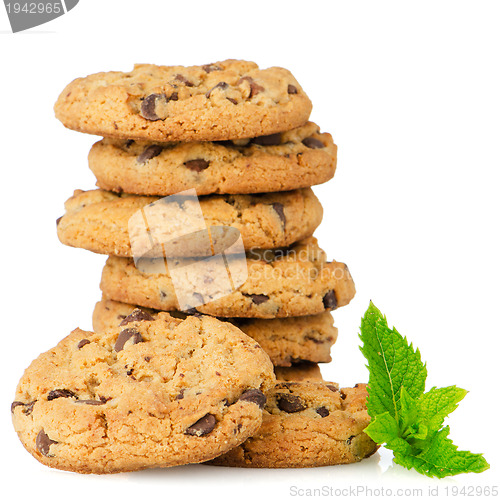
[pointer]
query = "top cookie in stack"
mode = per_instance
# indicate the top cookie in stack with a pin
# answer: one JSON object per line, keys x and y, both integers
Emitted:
{"x": 216, "y": 102}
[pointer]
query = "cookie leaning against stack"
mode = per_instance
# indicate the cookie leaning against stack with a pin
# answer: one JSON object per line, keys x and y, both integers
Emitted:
{"x": 240, "y": 136}
{"x": 148, "y": 393}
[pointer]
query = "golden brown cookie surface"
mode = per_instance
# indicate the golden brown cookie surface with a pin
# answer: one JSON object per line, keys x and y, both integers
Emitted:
{"x": 148, "y": 393}
{"x": 295, "y": 159}
{"x": 99, "y": 220}
{"x": 296, "y": 281}
{"x": 307, "y": 424}
{"x": 221, "y": 101}
{"x": 285, "y": 340}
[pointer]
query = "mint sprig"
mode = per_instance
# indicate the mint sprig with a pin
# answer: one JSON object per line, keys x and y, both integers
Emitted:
{"x": 406, "y": 419}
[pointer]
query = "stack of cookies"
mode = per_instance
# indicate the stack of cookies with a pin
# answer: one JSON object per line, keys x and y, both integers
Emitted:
{"x": 160, "y": 383}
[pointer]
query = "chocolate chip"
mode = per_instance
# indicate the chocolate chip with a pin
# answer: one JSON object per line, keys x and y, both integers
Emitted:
{"x": 254, "y": 396}
{"x": 230, "y": 99}
{"x": 181, "y": 394}
{"x": 203, "y": 427}
{"x": 43, "y": 443}
{"x": 184, "y": 80}
{"x": 333, "y": 388}
{"x": 148, "y": 106}
{"x": 82, "y": 343}
{"x": 330, "y": 300}
{"x": 349, "y": 440}
{"x": 28, "y": 407}
{"x": 220, "y": 85}
{"x": 129, "y": 143}
{"x": 149, "y": 153}
{"x": 60, "y": 393}
{"x": 323, "y": 412}
{"x": 290, "y": 403}
{"x": 313, "y": 143}
{"x": 197, "y": 165}
{"x": 280, "y": 210}
{"x": 125, "y": 335}
{"x": 92, "y": 402}
{"x": 255, "y": 88}
{"x": 268, "y": 140}
{"x": 257, "y": 299}
{"x": 58, "y": 220}
{"x": 208, "y": 68}
{"x": 14, "y": 405}
{"x": 136, "y": 315}
{"x": 292, "y": 89}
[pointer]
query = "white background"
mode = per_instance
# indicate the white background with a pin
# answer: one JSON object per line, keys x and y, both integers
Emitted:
{"x": 410, "y": 91}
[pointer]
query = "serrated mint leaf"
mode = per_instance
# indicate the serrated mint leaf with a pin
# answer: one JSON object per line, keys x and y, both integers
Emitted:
{"x": 441, "y": 458}
{"x": 405, "y": 419}
{"x": 437, "y": 404}
{"x": 392, "y": 363}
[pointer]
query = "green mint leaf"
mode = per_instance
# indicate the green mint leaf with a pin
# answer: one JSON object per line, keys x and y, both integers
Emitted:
{"x": 441, "y": 458}
{"x": 403, "y": 418}
{"x": 412, "y": 427}
{"x": 436, "y": 404}
{"x": 392, "y": 363}
{"x": 385, "y": 429}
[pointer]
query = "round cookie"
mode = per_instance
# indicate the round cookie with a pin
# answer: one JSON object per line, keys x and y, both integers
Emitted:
{"x": 285, "y": 340}
{"x": 221, "y": 101}
{"x": 300, "y": 372}
{"x": 307, "y": 424}
{"x": 98, "y": 220}
{"x": 299, "y": 158}
{"x": 296, "y": 281}
{"x": 149, "y": 393}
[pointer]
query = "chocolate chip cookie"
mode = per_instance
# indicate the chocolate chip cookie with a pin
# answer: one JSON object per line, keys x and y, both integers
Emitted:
{"x": 220, "y": 101}
{"x": 307, "y": 424}
{"x": 99, "y": 220}
{"x": 299, "y": 158}
{"x": 285, "y": 340}
{"x": 147, "y": 393}
{"x": 295, "y": 281}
